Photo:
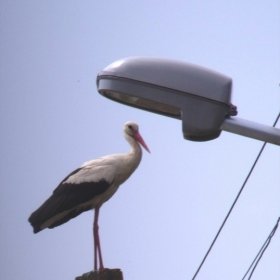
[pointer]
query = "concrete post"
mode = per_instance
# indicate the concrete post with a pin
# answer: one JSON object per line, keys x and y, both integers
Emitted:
{"x": 106, "y": 274}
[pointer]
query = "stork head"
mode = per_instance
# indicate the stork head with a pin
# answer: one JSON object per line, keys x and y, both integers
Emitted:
{"x": 132, "y": 129}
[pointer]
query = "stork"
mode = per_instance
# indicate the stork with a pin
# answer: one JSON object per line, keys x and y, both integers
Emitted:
{"x": 88, "y": 187}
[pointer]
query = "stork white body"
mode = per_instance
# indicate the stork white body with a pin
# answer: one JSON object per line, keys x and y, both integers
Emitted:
{"x": 88, "y": 187}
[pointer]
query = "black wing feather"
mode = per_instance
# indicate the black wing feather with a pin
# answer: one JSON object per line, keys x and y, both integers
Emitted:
{"x": 66, "y": 178}
{"x": 65, "y": 197}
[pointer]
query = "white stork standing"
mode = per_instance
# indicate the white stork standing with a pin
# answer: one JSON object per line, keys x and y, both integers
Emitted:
{"x": 88, "y": 187}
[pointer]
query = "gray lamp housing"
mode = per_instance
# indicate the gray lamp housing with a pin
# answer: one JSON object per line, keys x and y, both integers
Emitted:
{"x": 198, "y": 96}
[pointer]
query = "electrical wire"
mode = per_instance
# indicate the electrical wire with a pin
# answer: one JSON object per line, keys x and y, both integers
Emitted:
{"x": 260, "y": 253}
{"x": 232, "y": 206}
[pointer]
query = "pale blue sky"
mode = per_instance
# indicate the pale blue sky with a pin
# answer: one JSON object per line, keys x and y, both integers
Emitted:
{"x": 161, "y": 222}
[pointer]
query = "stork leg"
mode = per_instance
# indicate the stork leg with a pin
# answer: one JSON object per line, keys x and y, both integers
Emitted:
{"x": 97, "y": 248}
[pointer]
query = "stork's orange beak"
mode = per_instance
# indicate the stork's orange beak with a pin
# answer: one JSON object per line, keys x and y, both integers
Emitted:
{"x": 138, "y": 138}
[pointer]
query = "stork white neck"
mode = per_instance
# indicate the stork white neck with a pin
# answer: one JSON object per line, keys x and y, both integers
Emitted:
{"x": 135, "y": 147}
{"x": 131, "y": 160}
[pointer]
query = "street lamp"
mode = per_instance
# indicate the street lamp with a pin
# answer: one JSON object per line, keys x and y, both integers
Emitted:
{"x": 200, "y": 97}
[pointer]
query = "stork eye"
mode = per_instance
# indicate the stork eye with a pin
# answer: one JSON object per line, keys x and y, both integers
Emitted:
{"x": 130, "y": 127}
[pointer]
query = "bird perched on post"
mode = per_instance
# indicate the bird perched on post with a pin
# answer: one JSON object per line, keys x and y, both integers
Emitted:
{"x": 88, "y": 187}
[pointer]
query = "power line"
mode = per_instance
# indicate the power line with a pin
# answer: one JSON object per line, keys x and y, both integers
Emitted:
{"x": 260, "y": 253}
{"x": 232, "y": 206}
